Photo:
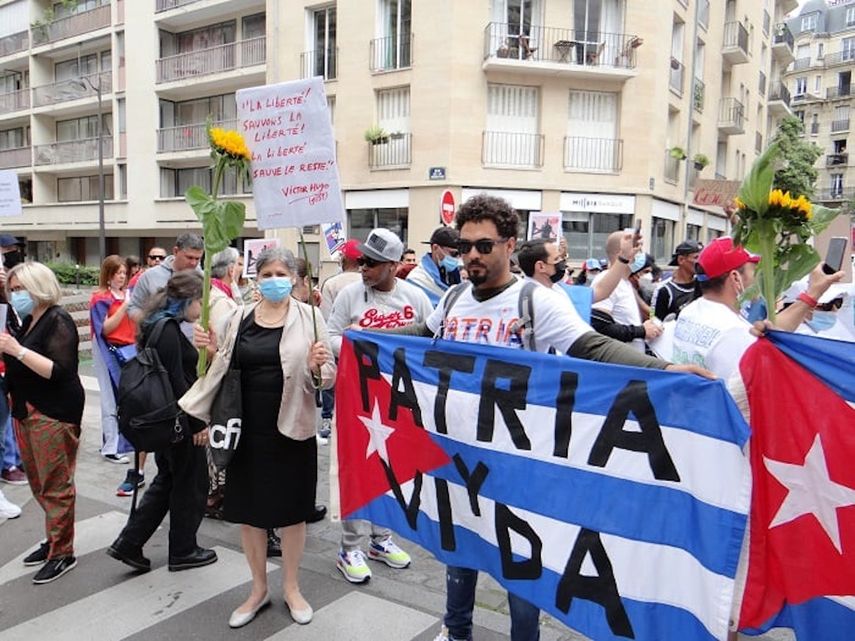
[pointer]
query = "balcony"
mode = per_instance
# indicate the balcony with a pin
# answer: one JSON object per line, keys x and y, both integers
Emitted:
{"x": 562, "y": 52}
{"x": 72, "y": 89}
{"x": 205, "y": 62}
{"x": 782, "y": 44}
{"x": 845, "y": 57}
{"x": 391, "y": 53}
{"x": 60, "y": 153}
{"x": 319, "y": 62}
{"x": 187, "y": 137}
{"x": 735, "y": 47}
{"x": 779, "y": 100}
{"x": 731, "y": 116}
{"x": 13, "y": 158}
{"x": 843, "y": 91}
{"x": 14, "y": 101}
{"x": 675, "y": 79}
{"x": 166, "y": 5}
{"x": 801, "y": 64}
{"x": 835, "y": 194}
{"x": 839, "y": 125}
{"x": 14, "y": 43}
{"x": 593, "y": 155}
{"x": 672, "y": 168}
{"x": 508, "y": 150}
{"x": 394, "y": 152}
{"x": 837, "y": 159}
{"x": 73, "y": 25}
{"x": 698, "y": 95}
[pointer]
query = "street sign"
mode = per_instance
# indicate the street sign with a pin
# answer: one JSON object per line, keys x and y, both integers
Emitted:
{"x": 436, "y": 173}
{"x": 446, "y": 208}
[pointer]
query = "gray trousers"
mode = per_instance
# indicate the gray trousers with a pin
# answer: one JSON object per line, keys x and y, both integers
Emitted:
{"x": 353, "y": 532}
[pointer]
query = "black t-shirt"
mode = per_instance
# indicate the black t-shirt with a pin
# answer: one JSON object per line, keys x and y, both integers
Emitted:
{"x": 60, "y": 397}
{"x": 672, "y": 297}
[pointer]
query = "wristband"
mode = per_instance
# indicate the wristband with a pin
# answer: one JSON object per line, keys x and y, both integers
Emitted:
{"x": 625, "y": 261}
{"x": 808, "y": 300}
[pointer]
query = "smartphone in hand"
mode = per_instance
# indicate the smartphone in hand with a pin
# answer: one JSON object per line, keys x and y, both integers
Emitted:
{"x": 834, "y": 256}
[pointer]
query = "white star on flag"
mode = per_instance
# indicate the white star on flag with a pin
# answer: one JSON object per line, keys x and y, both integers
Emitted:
{"x": 377, "y": 433}
{"x": 811, "y": 491}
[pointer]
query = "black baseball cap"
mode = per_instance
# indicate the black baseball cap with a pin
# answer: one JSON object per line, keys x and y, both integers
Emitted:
{"x": 684, "y": 249}
{"x": 444, "y": 237}
{"x": 8, "y": 240}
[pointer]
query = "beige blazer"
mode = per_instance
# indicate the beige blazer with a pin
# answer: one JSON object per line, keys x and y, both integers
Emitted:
{"x": 297, "y": 411}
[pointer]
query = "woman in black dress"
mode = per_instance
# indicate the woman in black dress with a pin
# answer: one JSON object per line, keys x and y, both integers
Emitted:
{"x": 271, "y": 479}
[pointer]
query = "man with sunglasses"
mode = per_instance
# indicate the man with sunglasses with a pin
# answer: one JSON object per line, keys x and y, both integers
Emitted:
{"x": 380, "y": 301}
{"x": 439, "y": 269}
{"x": 185, "y": 255}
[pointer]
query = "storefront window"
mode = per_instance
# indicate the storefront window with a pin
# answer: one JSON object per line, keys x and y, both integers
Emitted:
{"x": 586, "y": 233}
{"x": 712, "y": 234}
{"x": 362, "y": 221}
{"x": 662, "y": 239}
{"x": 693, "y": 232}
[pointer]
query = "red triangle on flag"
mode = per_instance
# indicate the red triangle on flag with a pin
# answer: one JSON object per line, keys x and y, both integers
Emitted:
{"x": 802, "y": 523}
{"x": 367, "y": 437}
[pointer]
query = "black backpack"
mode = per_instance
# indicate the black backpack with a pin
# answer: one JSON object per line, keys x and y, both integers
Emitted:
{"x": 146, "y": 407}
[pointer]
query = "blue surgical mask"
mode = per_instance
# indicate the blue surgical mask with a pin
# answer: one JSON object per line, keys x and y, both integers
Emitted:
{"x": 638, "y": 262}
{"x": 275, "y": 288}
{"x": 822, "y": 321}
{"x": 450, "y": 263}
{"x": 22, "y": 303}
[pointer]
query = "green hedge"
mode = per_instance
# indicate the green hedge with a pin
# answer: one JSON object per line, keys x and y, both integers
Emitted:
{"x": 67, "y": 274}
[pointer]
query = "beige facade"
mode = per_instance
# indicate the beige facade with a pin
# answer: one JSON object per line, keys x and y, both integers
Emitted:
{"x": 559, "y": 105}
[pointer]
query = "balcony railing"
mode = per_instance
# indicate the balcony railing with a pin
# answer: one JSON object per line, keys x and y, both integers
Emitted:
{"x": 204, "y": 62}
{"x": 704, "y": 13}
{"x": 675, "y": 80}
{"x": 801, "y": 63}
{"x": 395, "y": 151}
{"x": 593, "y": 154}
{"x": 736, "y": 36}
{"x": 20, "y": 157}
{"x": 72, "y": 89}
{"x": 14, "y": 101}
{"x": 72, "y": 151}
{"x": 778, "y": 91}
{"x": 731, "y": 114}
{"x": 845, "y": 57}
{"x": 393, "y": 52}
{"x": 187, "y": 137}
{"x": 319, "y": 62}
{"x": 166, "y": 5}
{"x": 840, "y": 125}
{"x": 837, "y": 159}
{"x": 698, "y": 95}
{"x": 14, "y": 43}
{"x": 834, "y": 194}
{"x": 505, "y": 149}
{"x": 783, "y": 36}
{"x": 72, "y": 25}
{"x": 843, "y": 91}
{"x": 672, "y": 168}
{"x": 564, "y": 46}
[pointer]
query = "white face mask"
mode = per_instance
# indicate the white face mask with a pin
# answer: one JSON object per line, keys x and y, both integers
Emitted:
{"x": 646, "y": 279}
{"x": 740, "y": 287}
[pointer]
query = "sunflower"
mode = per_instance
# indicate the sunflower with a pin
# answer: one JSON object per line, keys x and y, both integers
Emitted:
{"x": 230, "y": 143}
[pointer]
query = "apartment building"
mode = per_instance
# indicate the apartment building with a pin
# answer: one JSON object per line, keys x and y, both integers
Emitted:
{"x": 577, "y": 106}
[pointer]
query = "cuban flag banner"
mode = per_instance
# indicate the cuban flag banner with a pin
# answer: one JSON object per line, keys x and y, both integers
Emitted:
{"x": 612, "y": 497}
{"x": 801, "y": 560}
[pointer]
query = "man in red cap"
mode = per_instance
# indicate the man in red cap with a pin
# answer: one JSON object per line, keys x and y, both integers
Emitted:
{"x": 349, "y": 257}
{"x": 710, "y": 331}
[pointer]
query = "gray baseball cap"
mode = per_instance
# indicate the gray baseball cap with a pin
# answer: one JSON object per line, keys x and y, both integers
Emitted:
{"x": 383, "y": 246}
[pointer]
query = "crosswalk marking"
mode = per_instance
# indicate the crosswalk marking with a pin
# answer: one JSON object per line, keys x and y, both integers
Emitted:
{"x": 355, "y": 617}
{"x": 135, "y": 604}
{"x": 89, "y": 535}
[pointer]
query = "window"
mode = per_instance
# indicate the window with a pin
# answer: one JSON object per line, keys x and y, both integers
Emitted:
{"x": 82, "y": 128}
{"x": 15, "y": 138}
{"x": 63, "y": 9}
{"x": 361, "y": 221}
{"x": 393, "y": 117}
{"x": 594, "y": 22}
{"x": 662, "y": 239}
{"x": 511, "y": 137}
{"x": 253, "y": 26}
{"x": 801, "y": 86}
{"x": 847, "y": 49}
{"x": 817, "y": 84}
{"x": 82, "y": 188}
{"x": 192, "y": 112}
{"x": 83, "y": 66}
{"x": 836, "y": 185}
{"x": 693, "y": 232}
{"x": 197, "y": 39}
{"x": 820, "y": 50}
{"x": 331, "y": 107}
{"x": 586, "y": 233}
{"x": 850, "y": 16}
{"x": 800, "y": 114}
{"x": 321, "y": 61}
{"x": 809, "y": 22}
{"x": 712, "y": 234}
{"x": 391, "y": 49}
{"x": 175, "y": 182}
{"x": 592, "y": 128}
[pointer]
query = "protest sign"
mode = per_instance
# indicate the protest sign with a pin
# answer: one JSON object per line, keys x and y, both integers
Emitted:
{"x": 10, "y": 194}
{"x": 334, "y": 236}
{"x": 251, "y": 250}
{"x": 594, "y": 491}
{"x": 715, "y": 193}
{"x": 294, "y": 171}
{"x": 544, "y": 224}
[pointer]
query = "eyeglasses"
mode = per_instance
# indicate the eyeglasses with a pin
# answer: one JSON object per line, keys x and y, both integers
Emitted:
{"x": 156, "y": 257}
{"x": 483, "y": 245}
{"x": 451, "y": 251}
{"x": 364, "y": 261}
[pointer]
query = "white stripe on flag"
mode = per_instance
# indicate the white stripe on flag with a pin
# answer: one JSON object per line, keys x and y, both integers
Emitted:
{"x": 644, "y": 572}
{"x": 137, "y": 603}
{"x": 89, "y": 535}
{"x": 700, "y": 461}
{"x": 845, "y": 601}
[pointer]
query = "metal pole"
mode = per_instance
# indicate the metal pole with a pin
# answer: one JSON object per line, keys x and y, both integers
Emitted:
{"x": 102, "y": 234}
{"x": 685, "y": 213}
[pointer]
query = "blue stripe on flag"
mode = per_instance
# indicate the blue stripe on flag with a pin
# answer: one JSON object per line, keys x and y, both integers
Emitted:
{"x": 819, "y": 619}
{"x": 831, "y": 361}
{"x": 650, "y": 621}
{"x": 606, "y": 504}
{"x": 598, "y": 382}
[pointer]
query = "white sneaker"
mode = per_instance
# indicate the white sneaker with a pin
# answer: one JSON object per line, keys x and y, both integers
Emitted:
{"x": 353, "y": 566}
{"x": 444, "y": 635}
{"x": 388, "y": 552}
{"x": 8, "y": 510}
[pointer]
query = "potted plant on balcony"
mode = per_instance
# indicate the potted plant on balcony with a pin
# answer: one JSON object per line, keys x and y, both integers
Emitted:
{"x": 376, "y": 135}
{"x": 677, "y": 153}
{"x": 700, "y": 161}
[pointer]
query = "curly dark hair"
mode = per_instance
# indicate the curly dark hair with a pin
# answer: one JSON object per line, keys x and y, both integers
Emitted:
{"x": 484, "y": 207}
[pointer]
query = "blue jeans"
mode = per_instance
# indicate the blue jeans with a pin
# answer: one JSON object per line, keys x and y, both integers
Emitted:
{"x": 460, "y": 602}
{"x": 327, "y": 402}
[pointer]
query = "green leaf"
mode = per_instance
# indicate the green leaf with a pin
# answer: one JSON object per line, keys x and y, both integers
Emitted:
{"x": 758, "y": 183}
{"x": 796, "y": 262}
{"x": 232, "y": 215}
{"x": 822, "y": 218}
{"x": 201, "y": 202}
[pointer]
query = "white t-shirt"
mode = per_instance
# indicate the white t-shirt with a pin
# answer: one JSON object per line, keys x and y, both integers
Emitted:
{"x": 622, "y": 306}
{"x": 557, "y": 324}
{"x": 711, "y": 335}
{"x": 367, "y": 307}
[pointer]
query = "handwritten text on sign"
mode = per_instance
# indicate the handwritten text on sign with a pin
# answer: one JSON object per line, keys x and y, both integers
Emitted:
{"x": 294, "y": 171}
